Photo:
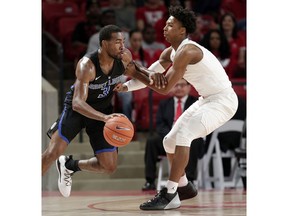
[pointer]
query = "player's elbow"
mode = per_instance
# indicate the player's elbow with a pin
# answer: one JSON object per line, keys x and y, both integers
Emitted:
{"x": 76, "y": 104}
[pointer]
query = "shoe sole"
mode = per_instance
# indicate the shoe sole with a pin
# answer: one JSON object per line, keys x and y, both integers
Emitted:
{"x": 188, "y": 197}
{"x": 173, "y": 204}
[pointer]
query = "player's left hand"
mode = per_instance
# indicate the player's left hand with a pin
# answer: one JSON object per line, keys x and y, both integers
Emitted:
{"x": 120, "y": 88}
{"x": 158, "y": 79}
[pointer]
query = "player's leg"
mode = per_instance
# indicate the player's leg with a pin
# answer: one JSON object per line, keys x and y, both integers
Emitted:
{"x": 105, "y": 162}
{"x": 197, "y": 121}
{"x": 168, "y": 198}
{"x": 55, "y": 148}
{"x": 62, "y": 133}
{"x": 105, "y": 159}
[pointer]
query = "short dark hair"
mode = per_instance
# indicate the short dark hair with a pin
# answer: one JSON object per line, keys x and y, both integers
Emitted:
{"x": 107, "y": 31}
{"x": 185, "y": 16}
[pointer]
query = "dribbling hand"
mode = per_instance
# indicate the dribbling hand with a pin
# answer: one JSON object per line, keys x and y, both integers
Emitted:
{"x": 107, "y": 117}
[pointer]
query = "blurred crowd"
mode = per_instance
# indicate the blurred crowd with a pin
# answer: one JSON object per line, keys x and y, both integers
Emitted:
{"x": 221, "y": 27}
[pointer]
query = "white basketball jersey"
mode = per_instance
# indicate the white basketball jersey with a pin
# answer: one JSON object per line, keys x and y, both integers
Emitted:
{"x": 207, "y": 76}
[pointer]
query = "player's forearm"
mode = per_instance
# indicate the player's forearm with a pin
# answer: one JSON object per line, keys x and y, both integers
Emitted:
{"x": 141, "y": 69}
{"x": 155, "y": 67}
{"x": 133, "y": 85}
{"x": 86, "y": 110}
{"x": 146, "y": 81}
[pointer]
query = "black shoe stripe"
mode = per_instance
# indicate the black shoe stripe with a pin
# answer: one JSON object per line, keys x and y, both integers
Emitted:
{"x": 59, "y": 170}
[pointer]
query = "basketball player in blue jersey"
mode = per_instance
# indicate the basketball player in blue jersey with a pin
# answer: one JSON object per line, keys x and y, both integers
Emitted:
{"x": 88, "y": 105}
{"x": 216, "y": 105}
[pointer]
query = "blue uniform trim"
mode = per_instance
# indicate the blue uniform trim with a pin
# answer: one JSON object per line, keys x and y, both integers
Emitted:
{"x": 106, "y": 150}
{"x": 60, "y": 128}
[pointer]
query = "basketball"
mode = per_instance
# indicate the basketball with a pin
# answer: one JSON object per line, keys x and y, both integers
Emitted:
{"x": 118, "y": 131}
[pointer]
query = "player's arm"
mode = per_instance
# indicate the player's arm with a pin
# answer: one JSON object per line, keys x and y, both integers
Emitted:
{"x": 139, "y": 72}
{"x": 154, "y": 71}
{"x": 85, "y": 72}
{"x": 188, "y": 54}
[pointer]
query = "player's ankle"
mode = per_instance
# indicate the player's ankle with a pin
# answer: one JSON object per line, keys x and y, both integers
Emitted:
{"x": 72, "y": 165}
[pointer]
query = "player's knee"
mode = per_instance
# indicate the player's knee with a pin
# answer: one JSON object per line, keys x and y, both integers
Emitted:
{"x": 50, "y": 155}
{"x": 169, "y": 145}
{"x": 109, "y": 167}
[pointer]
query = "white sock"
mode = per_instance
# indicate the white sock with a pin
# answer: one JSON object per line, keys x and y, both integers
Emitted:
{"x": 183, "y": 181}
{"x": 171, "y": 186}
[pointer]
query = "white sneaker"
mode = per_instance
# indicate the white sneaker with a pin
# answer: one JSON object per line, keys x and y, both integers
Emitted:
{"x": 64, "y": 179}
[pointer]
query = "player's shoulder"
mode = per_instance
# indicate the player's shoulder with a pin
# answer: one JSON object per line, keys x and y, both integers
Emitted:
{"x": 85, "y": 68}
{"x": 190, "y": 47}
{"x": 166, "y": 53}
{"x": 85, "y": 63}
{"x": 190, "y": 51}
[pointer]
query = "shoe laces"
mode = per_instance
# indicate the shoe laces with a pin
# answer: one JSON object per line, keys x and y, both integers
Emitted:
{"x": 159, "y": 195}
{"x": 68, "y": 174}
{"x": 67, "y": 177}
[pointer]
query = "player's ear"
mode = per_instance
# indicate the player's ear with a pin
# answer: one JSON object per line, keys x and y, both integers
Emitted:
{"x": 182, "y": 30}
{"x": 104, "y": 44}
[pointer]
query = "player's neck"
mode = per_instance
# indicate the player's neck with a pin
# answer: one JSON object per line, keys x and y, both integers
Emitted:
{"x": 104, "y": 58}
{"x": 177, "y": 43}
{"x": 105, "y": 61}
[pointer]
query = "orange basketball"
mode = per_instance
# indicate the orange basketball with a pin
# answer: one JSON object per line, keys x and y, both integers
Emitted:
{"x": 118, "y": 131}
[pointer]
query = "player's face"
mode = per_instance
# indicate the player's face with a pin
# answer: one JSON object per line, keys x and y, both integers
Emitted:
{"x": 115, "y": 47}
{"x": 173, "y": 29}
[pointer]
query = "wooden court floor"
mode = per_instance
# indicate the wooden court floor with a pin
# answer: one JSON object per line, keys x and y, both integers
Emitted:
{"x": 126, "y": 203}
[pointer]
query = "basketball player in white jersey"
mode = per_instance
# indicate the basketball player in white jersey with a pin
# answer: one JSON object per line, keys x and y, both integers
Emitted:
{"x": 216, "y": 105}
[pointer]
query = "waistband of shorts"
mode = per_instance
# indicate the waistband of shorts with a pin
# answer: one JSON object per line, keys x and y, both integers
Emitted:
{"x": 222, "y": 92}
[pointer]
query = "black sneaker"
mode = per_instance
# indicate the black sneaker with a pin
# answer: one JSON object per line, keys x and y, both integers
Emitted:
{"x": 187, "y": 192}
{"x": 162, "y": 201}
{"x": 148, "y": 186}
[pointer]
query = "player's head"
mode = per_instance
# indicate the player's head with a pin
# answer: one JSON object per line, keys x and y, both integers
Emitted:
{"x": 111, "y": 40}
{"x": 181, "y": 22}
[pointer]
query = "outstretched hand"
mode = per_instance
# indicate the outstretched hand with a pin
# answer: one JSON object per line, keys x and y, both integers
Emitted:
{"x": 158, "y": 79}
{"x": 120, "y": 88}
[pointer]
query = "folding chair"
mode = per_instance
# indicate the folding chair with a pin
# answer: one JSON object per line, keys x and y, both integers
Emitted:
{"x": 215, "y": 154}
